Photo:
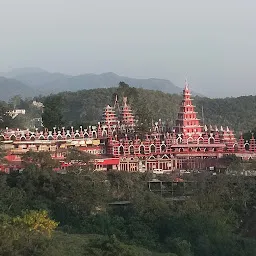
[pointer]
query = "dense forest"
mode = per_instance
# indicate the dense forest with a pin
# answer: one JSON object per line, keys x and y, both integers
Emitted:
{"x": 86, "y": 106}
{"x": 114, "y": 213}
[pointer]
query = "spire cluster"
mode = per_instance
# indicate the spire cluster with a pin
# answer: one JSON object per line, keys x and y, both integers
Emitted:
{"x": 122, "y": 116}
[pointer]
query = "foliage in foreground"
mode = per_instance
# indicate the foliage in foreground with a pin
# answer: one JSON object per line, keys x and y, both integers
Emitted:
{"x": 217, "y": 220}
{"x": 27, "y": 234}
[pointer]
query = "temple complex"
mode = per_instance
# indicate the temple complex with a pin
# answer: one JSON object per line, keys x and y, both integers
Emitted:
{"x": 114, "y": 141}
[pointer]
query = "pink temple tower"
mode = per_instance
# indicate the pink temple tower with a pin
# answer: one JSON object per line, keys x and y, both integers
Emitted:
{"x": 109, "y": 117}
{"x": 187, "y": 121}
{"x": 126, "y": 115}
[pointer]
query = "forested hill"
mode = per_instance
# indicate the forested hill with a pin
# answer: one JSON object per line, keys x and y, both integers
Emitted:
{"x": 237, "y": 113}
{"x": 85, "y": 107}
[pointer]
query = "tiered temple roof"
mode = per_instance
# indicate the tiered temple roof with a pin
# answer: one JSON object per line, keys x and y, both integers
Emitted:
{"x": 120, "y": 121}
{"x": 187, "y": 121}
{"x": 109, "y": 116}
{"x": 126, "y": 115}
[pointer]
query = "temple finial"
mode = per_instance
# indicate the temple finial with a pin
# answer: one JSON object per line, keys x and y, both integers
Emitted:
{"x": 125, "y": 101}
{"x": 186, "y": 84}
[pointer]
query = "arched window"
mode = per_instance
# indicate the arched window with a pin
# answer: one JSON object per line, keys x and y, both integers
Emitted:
{"x": 32, "y": 138}
{"x": 142, "y": 150}
{"x": 22, "y": 138}
{"x": 41, "y": 137}
{"x": 211, "y": 140}
{"x": 59, "y": 137}
{"x": 247, "y": 146}
{"x": 13, "y": 137}
{"x": 86, "y": 135}
{"x": 50, "y": 137}
{"x": 200, "y": 140}
{"x": 121, "y": 150}
{"x": 131, "y": 150}
{"x": 77, "y": 136}
{"x": 235, "y": 147}
{"x": 94, "y": 134}
{"x": 190, "y": 140}
{"x": 179, "y": 140}
{"x": 163, "y": 148}
{"x": 152, "y": 148}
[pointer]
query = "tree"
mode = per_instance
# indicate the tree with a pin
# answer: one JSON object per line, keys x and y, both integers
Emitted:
{"x": 124, "y": 90}
{"x": 15, "y": 101}
{"x": 12, "y": 199}
{"x": 82, "y": 161}
{"x": 111, "y": 246}
{"x": 76, "y": 154}
{"x": 41, "y": 159}
{"x": 228, "y": 160}
{"x": 52, "y": 115}
{"x": 2, "y": 153}
{"x": 5, "y": 118}
{"x": 26, "y": 235}
{"x": 248, "y": 135}
{"x": 37, "y": 221}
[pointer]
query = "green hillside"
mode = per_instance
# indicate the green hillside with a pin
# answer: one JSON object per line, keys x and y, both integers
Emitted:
{"x": 86, "y": 106}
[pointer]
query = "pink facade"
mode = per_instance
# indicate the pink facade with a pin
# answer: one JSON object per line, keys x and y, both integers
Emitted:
{"x": 187, "y": 122}
{"x": 115, "y": 138}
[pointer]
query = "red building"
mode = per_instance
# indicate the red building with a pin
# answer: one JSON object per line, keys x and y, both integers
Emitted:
{"x": 115, "y": 141}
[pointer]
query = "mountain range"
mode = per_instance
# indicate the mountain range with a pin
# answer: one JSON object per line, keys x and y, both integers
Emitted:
{"x": 29, "y": 82}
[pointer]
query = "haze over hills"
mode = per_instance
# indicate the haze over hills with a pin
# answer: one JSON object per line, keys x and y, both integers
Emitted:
{"x": 35, "y": 77}
{"x": 10, "y": 87}
{"x": 38, "y": 81}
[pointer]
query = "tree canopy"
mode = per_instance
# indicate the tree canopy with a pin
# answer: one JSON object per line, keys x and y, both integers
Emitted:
{"x": 114, "y": 213}
{"x": 85, "y": 107}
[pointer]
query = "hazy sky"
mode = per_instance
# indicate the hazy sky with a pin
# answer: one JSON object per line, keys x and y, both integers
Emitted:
{"x": 212, "y": 43}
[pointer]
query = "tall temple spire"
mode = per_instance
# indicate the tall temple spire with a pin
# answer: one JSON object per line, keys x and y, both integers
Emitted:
{"x": 187, "y": 121}
{"x": 116, "y": 104}
{"x": 109, "y": 116}
{"x": 126, "y": 115}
